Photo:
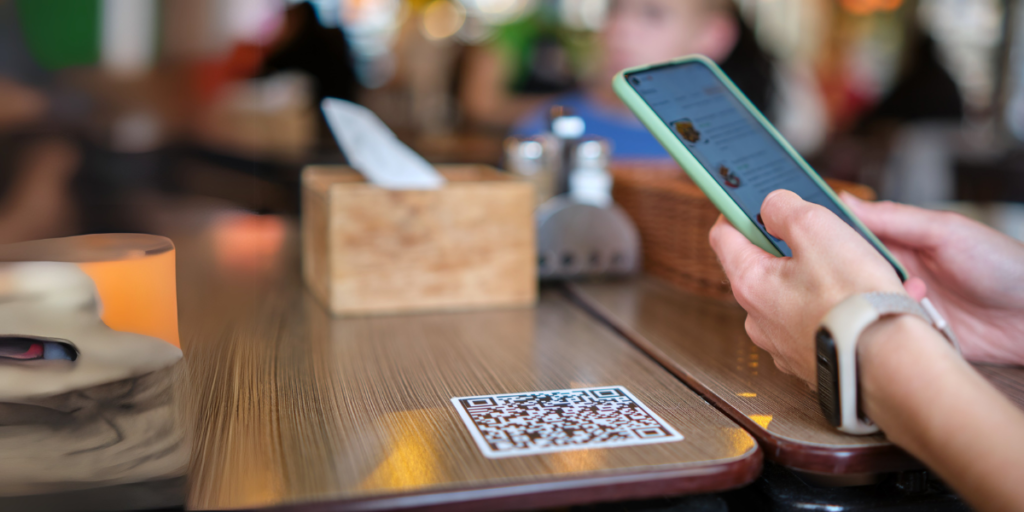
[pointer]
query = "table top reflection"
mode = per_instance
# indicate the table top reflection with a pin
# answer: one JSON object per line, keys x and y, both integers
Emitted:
{"x": 292, "y": 407}
{"x": 704, "y": 343}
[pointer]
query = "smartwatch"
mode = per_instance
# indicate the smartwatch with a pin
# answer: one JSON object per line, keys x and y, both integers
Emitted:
{"x": 836, "y": 346}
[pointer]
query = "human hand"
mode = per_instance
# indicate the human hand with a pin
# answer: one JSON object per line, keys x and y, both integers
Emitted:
{"x": 786, "y": 298}
{"x": 38, "y": 203}
{"x": 974, "y": 274}
{"x": 19, "y": 104}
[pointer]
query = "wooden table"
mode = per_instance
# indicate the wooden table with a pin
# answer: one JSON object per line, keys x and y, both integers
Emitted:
{"x": 294, "y": 408}
{"x": 704, "y": 343}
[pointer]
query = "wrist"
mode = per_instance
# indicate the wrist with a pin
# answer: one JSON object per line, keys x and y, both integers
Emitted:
{"x": 889, "y": 329}
{"x": 840, "y": 341}
{"x": 887, "y": 353}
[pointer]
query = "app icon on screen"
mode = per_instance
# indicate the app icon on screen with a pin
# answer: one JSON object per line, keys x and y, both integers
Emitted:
{"x": 729, "y": 177}
{"x": 686, "y": 130}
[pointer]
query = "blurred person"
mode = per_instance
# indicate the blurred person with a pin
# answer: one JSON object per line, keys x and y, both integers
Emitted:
{"x": 38, "y": 201}
{"x": 924, "y": 91}
{"x": 912, "y": 383}
{"x": 303, "y": 44}
{"x": 36, "y": 167}
{"x": 902, "y": 144}
{"x": 527, "y": 62}
{"x": 639, "y": 32}
{"x": 918, "y": 123}
{"x": 19, "y": 105}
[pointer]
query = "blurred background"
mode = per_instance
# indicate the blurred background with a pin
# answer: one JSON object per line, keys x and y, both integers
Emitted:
{"x": 111, "y": 110}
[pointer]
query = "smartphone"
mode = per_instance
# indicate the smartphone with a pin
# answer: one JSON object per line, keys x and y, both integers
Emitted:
{"x": 727, "y": 146}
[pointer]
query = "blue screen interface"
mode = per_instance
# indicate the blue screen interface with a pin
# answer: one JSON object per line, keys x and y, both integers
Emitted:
{"x": 741, "y": 155}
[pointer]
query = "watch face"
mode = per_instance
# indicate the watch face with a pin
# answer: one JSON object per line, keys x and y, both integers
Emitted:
{"x": 828, "y": 376}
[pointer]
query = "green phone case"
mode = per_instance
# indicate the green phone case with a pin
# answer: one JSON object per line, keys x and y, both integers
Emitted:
{"x": 703, "y": 178}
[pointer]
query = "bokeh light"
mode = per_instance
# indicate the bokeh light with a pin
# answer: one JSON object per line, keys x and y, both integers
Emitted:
{"x": 371, "y": 27}
{"x": 586, "y": 15}
{"x": 442, "y": 19}
{"x": 497, "y": 12}
{"x": 865, "y": 7}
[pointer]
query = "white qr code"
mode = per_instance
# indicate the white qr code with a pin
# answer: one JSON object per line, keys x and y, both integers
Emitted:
{"x": 538, "y": 422}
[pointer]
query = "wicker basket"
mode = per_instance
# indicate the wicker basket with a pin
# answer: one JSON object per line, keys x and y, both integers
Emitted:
{"x": 674, "y": 217}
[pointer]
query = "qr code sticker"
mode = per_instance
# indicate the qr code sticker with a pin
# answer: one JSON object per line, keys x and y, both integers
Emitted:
{"x": 538, "y": 422}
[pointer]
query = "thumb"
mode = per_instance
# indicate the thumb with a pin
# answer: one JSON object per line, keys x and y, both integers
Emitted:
{"x": 903, "y": 224}
{"x": 803, "y": 225}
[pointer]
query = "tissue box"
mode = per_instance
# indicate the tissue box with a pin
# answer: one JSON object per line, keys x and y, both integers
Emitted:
{"x": 469, "y": 244}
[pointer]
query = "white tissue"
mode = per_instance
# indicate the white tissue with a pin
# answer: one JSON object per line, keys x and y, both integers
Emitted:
{"x": 372, "y": 149}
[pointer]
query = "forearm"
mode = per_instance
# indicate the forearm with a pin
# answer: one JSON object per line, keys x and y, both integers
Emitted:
{"x": 934, "y": 405}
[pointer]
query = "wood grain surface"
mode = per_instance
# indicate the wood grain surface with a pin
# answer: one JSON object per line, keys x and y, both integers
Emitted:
{"x": 467, "y": 245}
{"x": 702, "y": 341}
{"x": 295, "y": 408}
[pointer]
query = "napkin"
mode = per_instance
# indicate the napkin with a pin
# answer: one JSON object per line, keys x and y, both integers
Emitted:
{"x": 373, "y": 149}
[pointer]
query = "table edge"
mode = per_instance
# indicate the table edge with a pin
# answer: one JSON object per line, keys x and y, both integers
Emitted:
{"x": 617, "y": 486}
{"x": 781, "y": 450}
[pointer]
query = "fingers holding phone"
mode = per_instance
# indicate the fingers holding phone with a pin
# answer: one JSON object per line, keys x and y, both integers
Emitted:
{"x": 785, "y": 298}
{"x": 971, "y": 272}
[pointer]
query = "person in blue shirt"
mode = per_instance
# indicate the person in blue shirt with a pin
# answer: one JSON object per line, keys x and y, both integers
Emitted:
{"x": 641, "y": 32}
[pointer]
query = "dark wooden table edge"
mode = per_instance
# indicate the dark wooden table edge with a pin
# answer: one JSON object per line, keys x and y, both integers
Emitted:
{"x": 620, "y": 486}
{"x": 781, "y": 450}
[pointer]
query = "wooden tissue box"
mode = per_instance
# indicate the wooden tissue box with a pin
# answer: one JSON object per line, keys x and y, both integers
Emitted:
{"x": 368, "y": 250}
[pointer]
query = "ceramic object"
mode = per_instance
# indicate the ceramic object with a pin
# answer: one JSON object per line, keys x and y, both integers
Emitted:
{"x": 87, "y": 369}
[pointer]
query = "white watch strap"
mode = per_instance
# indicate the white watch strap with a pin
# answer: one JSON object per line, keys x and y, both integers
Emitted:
{"x": 941, "y": 324}
{"x": 897, "y": 303}
{"x": 847, "y": 321}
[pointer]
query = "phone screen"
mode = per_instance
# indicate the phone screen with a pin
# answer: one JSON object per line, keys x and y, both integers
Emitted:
{"x": 727, "y": 140}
